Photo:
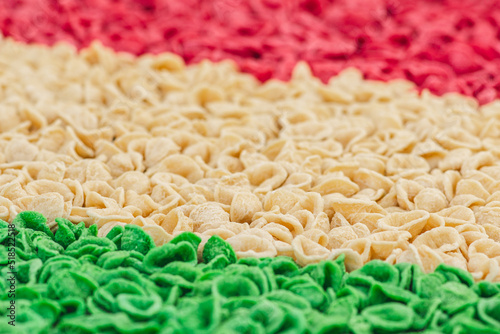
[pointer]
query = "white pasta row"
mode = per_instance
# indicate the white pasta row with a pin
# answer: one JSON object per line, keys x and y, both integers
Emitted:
{"x": 303, "y": 169}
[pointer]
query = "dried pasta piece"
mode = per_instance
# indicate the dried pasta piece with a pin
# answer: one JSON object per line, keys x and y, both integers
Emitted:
{"x": 7, "y": 210}
{"x": 432, "y": 180}
{"x": 328, "y": 148}
{"x": 318, "y": 236}
{"x": 77, "y": 147}
{"x": 20, "y": 150}
{"x": 236, "y": 228}
{"x": 361, "y": 230}
{"x": 103, "y": 216}
{"x": 366, "y": 178}
{"x": 455, "y": 137}
{"x": 305, "y": 218}
{"x": 9, "y": 119}
{"x": 370, "y": 194}
{"x": 266, "y": 175}
{"x": 320, "y": 222}
{"x": 488, "y": 214}
{"x": 472, "y": 232}
{"x": 312, "y": 202}
{"x": 430, "y": 200}
{"x": 457, "y": 215}
{"x": 339, "y": 236}
{"x": 49, "y": 171}
{"x": 477, "y": 161}
{"x": 454, "y": 159}
{"x": 371, "y": 162}
{"x": 123, "y": 162}
{"x": 483, "y": 268}
{"x": 454, "y": 259}
{"x": 104, "y": 189}
{"x": 40, "y": 187}
{"x": 299, "y": 180}
{"x": 384, "y": 243}
{"x": 444, "y": 239}
{"x": 338, "y": 220}
{"x": 487, "y": 247}
{"x": 288, "y": 221}
{"x": 489, "y": 183}
{"x": 88, "y": 170}
{"x": 492, "y": 171}
{"x": 282, "y": 198}
{"x": 244, "y": 206}
{"x": 432, "y": 152}
{"x": 368, "y": 219}
{"x": 390, "y": 199}
{"x": 357, "y": 211}
{"x": 352, "y": 259}
{"x": 471, "y": 187}
{"x": 157, "y": 149}
{"x": 349, "y": 137}
{"x": 95, "y": 200}
{"x": 279, "y": 232}
{"x": 413, "y": 222}
{"x": 51, "y": 205}
{"x": 218, "y": 231}
{"x": 253, "y": 243}
{"x": 467, "y": 200}
{"x": 175, "y": 221}
{"x": 13, "y": 191}
{"x": 135, "y": 181}
{"x": 106, "y": 228}
{"x": 196, "y": 193}
{"x": 208, "y": 213}
{"x": 406, "y": 190}
{"x": 406, "y": 164}
{"x": 283, "y": 248}
{"x": 346, "y": 167}
{"x": 484, "y": 260}
{"x": 144, "y": 203}
{"x": 392, "y": 317}
{"x": 329, "y": 184}
{"x": 229, "y": 185}
{"x": 425, "y": 257}
{"x": 492, "y": 231}
{"x": 362, "y": 246}
{"x": 450, "y": 180}
{"x": 180, "y": 165}
{"x": 308, "y": 130}
{"x": 307, "y": 251}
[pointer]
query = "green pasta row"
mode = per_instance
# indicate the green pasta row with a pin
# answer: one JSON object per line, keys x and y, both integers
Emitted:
{"x": 75, "y": 282}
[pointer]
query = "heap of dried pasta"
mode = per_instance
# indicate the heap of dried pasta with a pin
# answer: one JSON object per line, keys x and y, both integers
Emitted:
{"x": 303, "y": 169}
{"x": 72, "y": 281}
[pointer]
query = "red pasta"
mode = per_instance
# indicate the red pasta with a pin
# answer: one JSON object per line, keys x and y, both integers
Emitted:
{"x": 440, "y": 45}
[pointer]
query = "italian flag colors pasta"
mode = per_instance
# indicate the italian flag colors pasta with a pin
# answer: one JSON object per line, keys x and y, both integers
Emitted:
{"x": 260, "y": 166}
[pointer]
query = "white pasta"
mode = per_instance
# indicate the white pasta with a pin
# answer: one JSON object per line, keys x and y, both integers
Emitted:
{"x": 304, "y": 169}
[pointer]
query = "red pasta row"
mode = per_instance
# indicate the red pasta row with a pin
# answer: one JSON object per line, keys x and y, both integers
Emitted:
{"x": 440, "y": 45}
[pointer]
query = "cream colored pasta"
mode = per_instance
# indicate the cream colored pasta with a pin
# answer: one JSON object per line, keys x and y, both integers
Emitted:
{"x": 304, "y": 169}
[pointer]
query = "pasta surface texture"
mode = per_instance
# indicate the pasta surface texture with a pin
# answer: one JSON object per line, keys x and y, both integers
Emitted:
{"x": 303, "y": 169}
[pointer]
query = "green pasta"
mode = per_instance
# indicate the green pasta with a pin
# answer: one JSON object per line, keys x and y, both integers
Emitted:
{"x": 75, "y": 282}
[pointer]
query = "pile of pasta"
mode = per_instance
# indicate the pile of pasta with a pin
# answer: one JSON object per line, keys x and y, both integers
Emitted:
{"x": 303, "y": 169}
{"x": 75, "y": 282}
{"x": 385, "y": 39}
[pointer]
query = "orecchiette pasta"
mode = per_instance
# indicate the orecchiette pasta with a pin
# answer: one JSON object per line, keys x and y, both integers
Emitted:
{"x": 304, "y": 169}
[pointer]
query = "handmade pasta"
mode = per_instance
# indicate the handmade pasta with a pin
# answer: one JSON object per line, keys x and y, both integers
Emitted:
{"x": 128, "y": 283}
{"x": 304, "y": 169}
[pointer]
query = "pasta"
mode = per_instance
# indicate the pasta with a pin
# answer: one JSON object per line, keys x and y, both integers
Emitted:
{"x": 127, "y": 283}
{"x": 303, "y": 169}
